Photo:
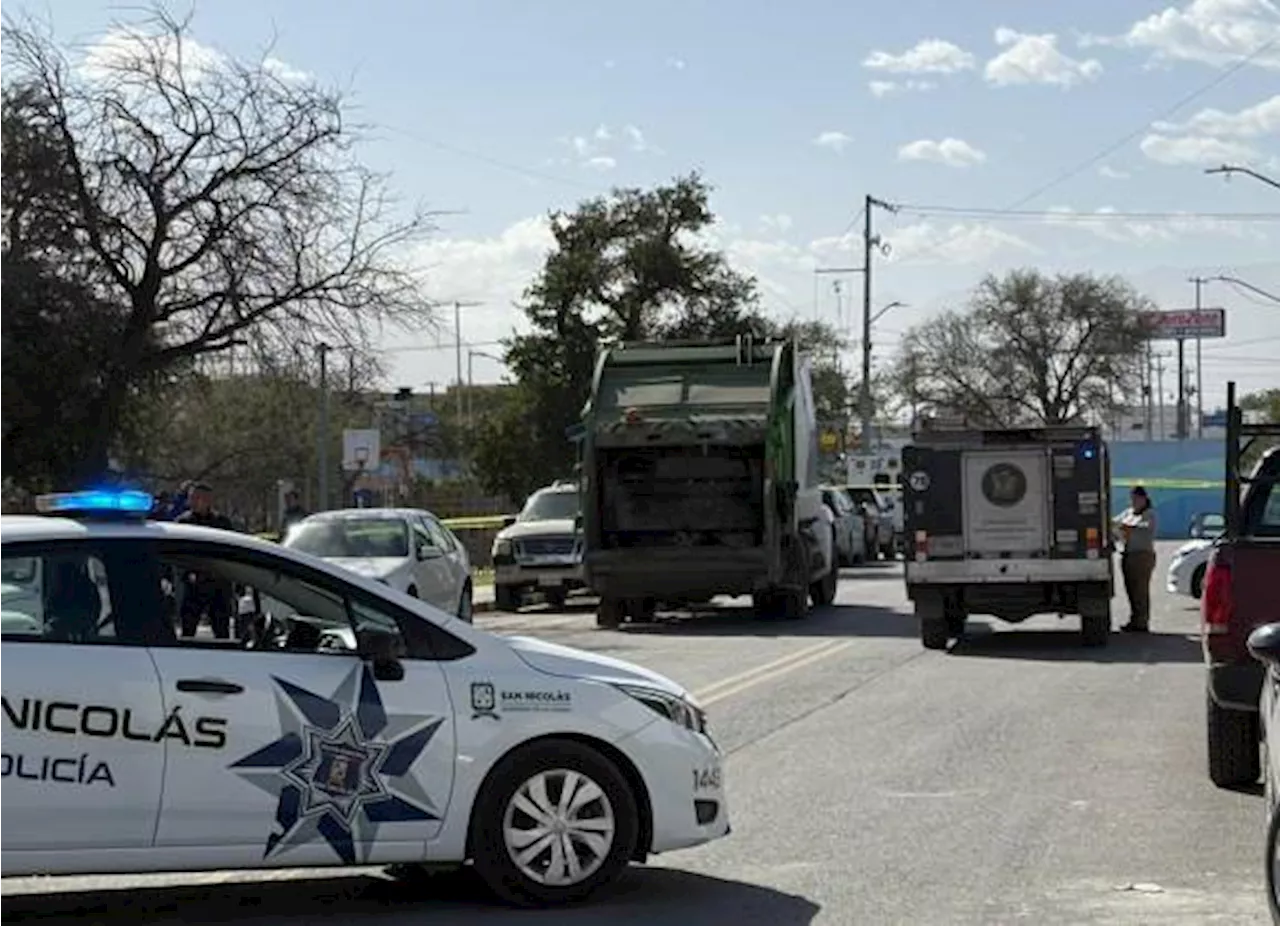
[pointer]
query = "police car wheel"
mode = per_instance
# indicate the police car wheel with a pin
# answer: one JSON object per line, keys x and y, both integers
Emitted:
{"x": 555, "y": 821}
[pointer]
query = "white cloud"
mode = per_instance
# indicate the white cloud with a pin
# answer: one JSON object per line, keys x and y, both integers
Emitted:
{"x": 953, "y": 152}
{"x": 1111, "y": 173}
{"x": 600, "y": 148}
{"x": 780, "y": 222}
{"x": 494, "y": 270}
{"x": 928, "y": 56}
{"x": 836, "y": 141}
{"x": 1251, "y": 122}
{"x": 1196, "y": 149}
{"x": 883, "y": 88}
{"x": 676, "y": 64}
{"x": 1215, "y": 32}
{"x": 125, "y": 48}
{"x": 284, "y": 71}
{"x": 1035, "y": 59}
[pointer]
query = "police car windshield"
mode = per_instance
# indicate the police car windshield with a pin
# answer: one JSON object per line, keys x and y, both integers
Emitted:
{"x": 20, "y": 570}
{"x": 348, "y": 538}
{"x": 550, "y": 506}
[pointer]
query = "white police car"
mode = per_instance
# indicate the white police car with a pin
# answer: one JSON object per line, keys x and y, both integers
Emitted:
{"x": 129, "y": 747}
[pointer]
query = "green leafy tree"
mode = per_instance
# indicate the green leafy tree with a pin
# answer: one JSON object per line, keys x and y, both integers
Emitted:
{"x": 1029, "y": 349}
{"x": 625, "y": 267}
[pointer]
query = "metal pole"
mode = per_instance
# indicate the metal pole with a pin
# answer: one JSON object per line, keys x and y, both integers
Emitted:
{"x": 864, "y": 400}
{"x": 1151, "y": 398}
{"x": 1160, "y": 390}
{"x": 457, "y": 352}
{"x": 471, "y": 388}
{"x": 1182, "y": 390}
{"x": 1199, "y": 281}
{"x": 322, "y": 432}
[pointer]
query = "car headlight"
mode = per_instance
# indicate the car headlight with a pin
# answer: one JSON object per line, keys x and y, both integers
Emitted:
{"x": 501, "y": 548}
{"x": 677, "y": 710}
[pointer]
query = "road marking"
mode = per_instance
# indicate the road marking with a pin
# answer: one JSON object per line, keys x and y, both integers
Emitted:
{"x": 756, "y": 670}
{"x": 737, "y": 684}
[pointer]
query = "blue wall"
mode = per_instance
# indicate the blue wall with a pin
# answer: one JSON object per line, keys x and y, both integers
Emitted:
{"x": 1184, "y": 479}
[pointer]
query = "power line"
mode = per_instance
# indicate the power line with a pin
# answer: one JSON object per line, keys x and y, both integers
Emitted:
{"x": 1056, "y": 216}
{"x": 1130, "y": 136}
{"x": 443, "y": 345}
{"x": 492, "y": 161}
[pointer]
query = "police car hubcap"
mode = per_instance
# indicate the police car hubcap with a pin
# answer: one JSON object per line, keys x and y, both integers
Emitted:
{"x": 559, "y": 827}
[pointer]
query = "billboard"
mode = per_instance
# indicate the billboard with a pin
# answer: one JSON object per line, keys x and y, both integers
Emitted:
{"x": 1181, "y": 324}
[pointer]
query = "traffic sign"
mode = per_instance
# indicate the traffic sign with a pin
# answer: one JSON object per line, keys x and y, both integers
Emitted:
{"x": 829, "y": 442}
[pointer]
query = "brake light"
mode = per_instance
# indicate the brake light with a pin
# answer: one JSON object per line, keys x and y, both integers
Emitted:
{"x": 1092, "y": 541}
{"x": 1216, "y": 604}
{"x": 922, "y": 546}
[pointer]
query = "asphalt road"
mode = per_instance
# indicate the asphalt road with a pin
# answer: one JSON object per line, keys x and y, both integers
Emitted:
{"x": 1016, "y": 778}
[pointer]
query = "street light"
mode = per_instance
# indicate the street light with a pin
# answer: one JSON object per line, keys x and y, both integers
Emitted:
{"x": 1234, "y": 169}
{"x": 1239, "y": 282}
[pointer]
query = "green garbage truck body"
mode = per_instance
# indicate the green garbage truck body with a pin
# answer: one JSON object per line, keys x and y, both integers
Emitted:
{"x": 699, "y": 478}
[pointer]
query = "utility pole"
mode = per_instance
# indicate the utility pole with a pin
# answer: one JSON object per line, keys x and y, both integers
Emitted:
{"x": 1199, "y": 283}
{"x": 322, "y": 431}
{"x": 1146, "y": 390}
{"x": 1181, "y": 414}
{"x": 870, "y": 241}
{"x": 457, "y": 349}
{"x": 1160, "y": 390}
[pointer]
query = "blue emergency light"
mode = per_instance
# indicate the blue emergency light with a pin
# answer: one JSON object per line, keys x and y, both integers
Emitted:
{"x": 1088, "y": 450}
{"x": 96, "y": 502}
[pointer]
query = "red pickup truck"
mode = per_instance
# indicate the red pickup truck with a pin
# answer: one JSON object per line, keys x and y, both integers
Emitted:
{"x": 1241, "y": 587}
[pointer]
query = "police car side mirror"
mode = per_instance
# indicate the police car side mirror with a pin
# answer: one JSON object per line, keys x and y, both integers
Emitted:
{"x": 383, "y": 652}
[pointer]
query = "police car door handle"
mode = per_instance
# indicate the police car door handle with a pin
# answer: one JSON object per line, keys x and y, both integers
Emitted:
{"x": 209, "y": 686}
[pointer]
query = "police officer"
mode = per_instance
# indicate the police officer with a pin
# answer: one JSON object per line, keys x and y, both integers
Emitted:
{"x": 205, "y": 594}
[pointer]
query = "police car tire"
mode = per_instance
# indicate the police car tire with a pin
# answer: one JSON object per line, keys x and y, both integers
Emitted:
{"x": 1232, "y": 745}
{"x": 492, "y": 860}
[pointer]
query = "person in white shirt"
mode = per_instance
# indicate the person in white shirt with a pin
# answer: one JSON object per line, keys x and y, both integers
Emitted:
{"x": 1135, "y": 528}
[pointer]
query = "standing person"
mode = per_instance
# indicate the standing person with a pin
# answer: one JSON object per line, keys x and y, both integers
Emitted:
{"x": 205, "y": 594}
{"x": 181, "y": 500}
{"x": 1136, "y": 527}
{"x": 293, "y": 512}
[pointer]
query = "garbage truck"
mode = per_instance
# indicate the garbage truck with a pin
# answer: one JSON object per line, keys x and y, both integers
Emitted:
{"x": 699, "y": 477}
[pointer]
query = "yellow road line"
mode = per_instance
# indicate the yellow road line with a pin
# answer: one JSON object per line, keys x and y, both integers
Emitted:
{"x": 736, "y": 684}
{"x": 755, "y": 670}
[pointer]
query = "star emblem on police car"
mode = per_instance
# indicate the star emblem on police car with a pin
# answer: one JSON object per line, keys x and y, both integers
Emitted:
{"x": 340, "y": 768}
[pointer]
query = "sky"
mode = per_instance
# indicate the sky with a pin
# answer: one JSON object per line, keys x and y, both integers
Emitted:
{"x": 1066, "y": 137}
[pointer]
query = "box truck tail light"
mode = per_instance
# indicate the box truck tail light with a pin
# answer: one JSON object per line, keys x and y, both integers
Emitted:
{"x": 1216, "y": 605}
{"x": 1092, "y": 542}
{"x": 922, "y": 546}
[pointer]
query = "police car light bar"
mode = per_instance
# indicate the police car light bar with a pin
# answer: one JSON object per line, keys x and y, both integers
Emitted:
{"x": 96, "y": 501}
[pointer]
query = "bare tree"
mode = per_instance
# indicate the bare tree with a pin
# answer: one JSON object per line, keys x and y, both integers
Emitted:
{"x": 1029, "y": 349}
{"x": 221, "y": 202}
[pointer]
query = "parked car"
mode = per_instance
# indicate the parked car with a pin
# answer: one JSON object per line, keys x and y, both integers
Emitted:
{"x": 1207, "y": 525}
{"x": 539, "y": 549}
{"x": 851, "y": 541}
{"x": 880, "y": 521}
{"x": 405, "y": 548}
{"x": 1241, "y": 586}
{"x": 1264, "y": 646}
{"x": 1188, "y": 567}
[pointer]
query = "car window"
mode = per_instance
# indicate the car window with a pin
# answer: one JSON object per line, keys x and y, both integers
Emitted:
{"x": 353, "y": 538}
{"x": 440, "y": 537}
{"x": 1269, "y": 523}
{"x": 227, "y": 599}
{"x": 60, "y": 596}
{"x": 557, "y": 505}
